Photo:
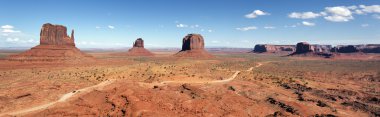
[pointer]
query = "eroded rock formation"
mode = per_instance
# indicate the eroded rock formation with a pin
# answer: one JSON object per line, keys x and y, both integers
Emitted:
{"x": 193, "y": 46}
{"x": 261, "y": 48}
{"x": 193, "y": 42}
{"x": 303, "y": 47}
{"x": 55, "y": 35}
{"x": 55, "y": 45}
{"x": 138, "y": 43}
{"x": 138, "y": 49}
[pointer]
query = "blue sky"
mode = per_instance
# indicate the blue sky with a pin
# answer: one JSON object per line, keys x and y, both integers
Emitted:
{"x": 163, "y": 23}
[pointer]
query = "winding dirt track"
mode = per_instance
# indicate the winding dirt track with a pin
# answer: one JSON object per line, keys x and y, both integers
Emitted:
{"x": 99, "y": 86}
{"x": 63, "y": 98}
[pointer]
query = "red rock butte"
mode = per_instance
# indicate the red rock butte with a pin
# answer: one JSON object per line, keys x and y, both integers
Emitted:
{"x": 193, "y": 46}
{"x": 55, "y": 45}
{"x": 138, "y": 49}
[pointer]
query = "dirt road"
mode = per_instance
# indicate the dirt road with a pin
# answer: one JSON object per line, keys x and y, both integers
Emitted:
{"x": 63, "y": 98}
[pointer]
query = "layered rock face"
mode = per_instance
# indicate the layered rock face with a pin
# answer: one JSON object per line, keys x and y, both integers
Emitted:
{"x": 193, "y": 42}
{"x": 321, "y": 48}
{"x": 138, "y": 49}
{"x": 261, "y": 48}
{"x": 139, "y": 43}
{"x": 303, "y": 47}
{"x": 193, "y": 46}
{"x": 55, "y": 35}
{"x": 371, "y": 48}
{"x": 347, "y": 49}
{"x": 55, "y": 45}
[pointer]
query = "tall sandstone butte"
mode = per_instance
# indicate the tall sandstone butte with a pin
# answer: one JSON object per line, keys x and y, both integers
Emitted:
{"x": 138, "y": 49}
{"x": 55, "y": 35}
{"x": 55, "y": 45}
{"x": 193, "y": 46}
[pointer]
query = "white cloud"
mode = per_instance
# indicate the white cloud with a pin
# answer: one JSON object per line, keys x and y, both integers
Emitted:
{"x": 338, "y": 14}
{"x": 376, "y": 16}
{"x": 308, "y": 23}
{"x": 210, "y": 30}
{"x": 111, "y": 27}
{"x": 364, "y": 25}
{"x": 256, "y": 13}
{"x": 12, "y": 39}
{"x": 291, "y": 26}
{"x": 337, "y": 18}
{"x": 97, "y": 27}
{"x": 181, "y": 25}
{"x": 215, "y": 41}
{"x": 370, "y": 9}
{"x": 247, "y": 28}
{"x": 269, "y": 27}
{"x": 8, "y": 29}
{"x": 304, "y": 15}
{"x": 339, "y": 10}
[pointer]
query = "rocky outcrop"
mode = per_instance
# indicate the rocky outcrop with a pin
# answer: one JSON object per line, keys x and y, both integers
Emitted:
{"x": 193, "y": 46}
{"x": 321, "y": 48}
{"x": 371, "y": 48}
{"x": 55, "y": 45}
{"x": 193, "y": 42}
{"x": 306, "y": 50}
{"x": 303, "y": 47}
{"x": 55, "y": 35}
{"x": 138, "y": 49}
{"x": 347, "y": 49}
{"x": 139, "y": 43}
{"x": 261, "y": 48}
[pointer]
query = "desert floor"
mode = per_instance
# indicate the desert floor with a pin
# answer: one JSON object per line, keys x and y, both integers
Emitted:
{"x": 231, "y": 84}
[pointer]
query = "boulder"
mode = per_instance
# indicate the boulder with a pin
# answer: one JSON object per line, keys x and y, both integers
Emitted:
{"x": 193, "y": 46}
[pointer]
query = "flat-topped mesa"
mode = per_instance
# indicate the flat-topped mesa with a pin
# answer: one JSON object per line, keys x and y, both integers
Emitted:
{"x": 263, "y": 48}
{"x": 193, "y": 46}
{"x": 139, "y": 43}
{"x": 55, "y": 35}
{"x": 193, "y": 42}
{"x": 303, "y": 47}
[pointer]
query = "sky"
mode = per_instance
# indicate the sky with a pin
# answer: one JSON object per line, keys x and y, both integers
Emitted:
{"x": 222, "y": 23}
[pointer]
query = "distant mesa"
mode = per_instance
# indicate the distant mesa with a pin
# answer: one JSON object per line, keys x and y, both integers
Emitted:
{"x": 193, "y": 46}
{"x": 55, "y": 45}
{"x": 266, "y": 48}
{"x": 305, "y": 49}
{"x": 138, "y": 49}
{"x": 345, "y": 49}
